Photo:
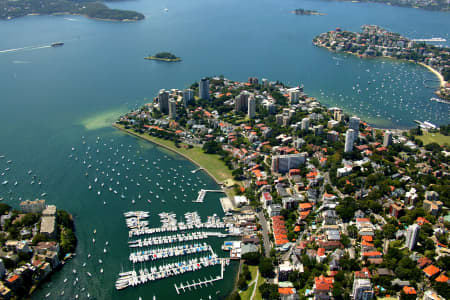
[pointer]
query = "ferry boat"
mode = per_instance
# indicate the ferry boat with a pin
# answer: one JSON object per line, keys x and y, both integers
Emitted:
{"x": 57, "y": 44}
{"x": 440, "y": 100}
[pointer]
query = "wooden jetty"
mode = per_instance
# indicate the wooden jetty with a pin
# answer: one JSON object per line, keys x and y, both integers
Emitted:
{"x": 202, "y": 194}
{"x": 201, "y": 283}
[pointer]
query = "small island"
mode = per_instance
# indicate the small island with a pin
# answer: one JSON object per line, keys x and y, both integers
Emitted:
{"x": 306, "y": 12}
{"x": 164, "y": 56}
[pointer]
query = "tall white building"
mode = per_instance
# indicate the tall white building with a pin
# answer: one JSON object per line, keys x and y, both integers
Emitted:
{"x": 362, "y": 289}
{"x": 305, "y": 124}
{"x": 354, "y": 123}
{"x": 203, "y": 89}
{"x": 188, "y": 96}
{"x": 251, "y": 107}
{"x": 411, "y": 236}
{"x": 284, "y": 163}
{"x": 387, "y": 138}
{"x": 294, "y": 96}
{"x": 241, "y": 102}
{"x": 163, "y": 100}
{"x": 265, "y": 82}
{"x": 172, "y": 109}
{"x": 349, "y": 138}
{"x": 2, "y": 269}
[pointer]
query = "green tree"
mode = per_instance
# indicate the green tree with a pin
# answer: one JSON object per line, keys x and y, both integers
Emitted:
{"x": 4, "y": 208}
{"x": 234, "y": 296}
{"x": 269, "y": 291}
{"x": 251, "y": 258}
{"x": 266, "y": 267}
{"x": 389, "y": 231}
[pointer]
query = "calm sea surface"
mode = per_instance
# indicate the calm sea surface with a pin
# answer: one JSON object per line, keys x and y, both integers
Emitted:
{"x": 51, "y": 97}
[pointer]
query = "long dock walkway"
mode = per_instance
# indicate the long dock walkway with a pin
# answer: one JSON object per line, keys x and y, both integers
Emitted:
{"x": 196, "y": 170}
{"x": 201, "y": 283}
{"x": 202, "y": 194}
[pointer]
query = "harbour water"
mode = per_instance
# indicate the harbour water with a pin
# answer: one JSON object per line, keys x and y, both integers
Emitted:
{"x": 51, "y": 97}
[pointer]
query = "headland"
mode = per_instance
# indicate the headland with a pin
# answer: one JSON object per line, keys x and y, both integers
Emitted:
{"x": 375, "y": 41}
{"x": 93, "y": 10}
{"x": 36, "y": 242}
{"x": 305, "y": 170}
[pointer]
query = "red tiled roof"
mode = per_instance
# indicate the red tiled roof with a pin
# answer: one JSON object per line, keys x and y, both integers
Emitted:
{"x": 442, "y": 278}
{"x": 421, "y": 221}
{"x": 13, "y": 278}
{"x": 371, "y": 253}
{"x": 423, "y": 261}
{"x": 305, "y": 206}
{"x": 431, "y": 270}
{"x": 367, "y": 238}
{"x": 286, "y": 291}
{"x": 409, "y": 290}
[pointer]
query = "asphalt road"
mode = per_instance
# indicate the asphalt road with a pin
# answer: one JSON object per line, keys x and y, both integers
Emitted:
{"x": 265, "y": 232}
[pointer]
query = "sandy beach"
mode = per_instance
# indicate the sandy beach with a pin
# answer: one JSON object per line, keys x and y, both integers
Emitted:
{"x": 442, "y": 82}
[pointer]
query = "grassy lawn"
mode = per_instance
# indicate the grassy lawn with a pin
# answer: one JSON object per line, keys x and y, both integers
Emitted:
{"x": 210, "y": 162}
{"x": 429, "y": 137}
{"x": 248, "y": 293}
{"x": 258, "y": 284}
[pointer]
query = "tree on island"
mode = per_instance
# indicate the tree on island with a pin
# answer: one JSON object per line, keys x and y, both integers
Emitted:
{"x": 166, "y": 55}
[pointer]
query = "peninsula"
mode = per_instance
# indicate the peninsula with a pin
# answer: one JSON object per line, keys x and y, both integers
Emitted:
{"x": 374, "y": 41}
{"x": 435, "y": 5}
{"x": 90, "y": 9}
{"x": 334, "y": 206}
{"x": 35, "y": 241}
{"x": 163, "y": 56}
{"x": 306, "y": 12}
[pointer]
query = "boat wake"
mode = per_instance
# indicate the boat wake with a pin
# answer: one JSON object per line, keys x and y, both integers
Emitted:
{"x": 25, "y": 48}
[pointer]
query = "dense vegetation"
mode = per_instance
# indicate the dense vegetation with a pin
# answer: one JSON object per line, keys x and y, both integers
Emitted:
{"x": 92, "y": 9}
{"x": 166, "y": 55}
{"x": 305, "y": 12}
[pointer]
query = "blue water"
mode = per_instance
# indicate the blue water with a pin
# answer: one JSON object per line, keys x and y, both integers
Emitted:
{"x": 51, "y": 97}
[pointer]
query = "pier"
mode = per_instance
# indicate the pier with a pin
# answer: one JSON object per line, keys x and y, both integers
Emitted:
{"x": 431, "y": 40}
{"x": 182, "y": 287}
{"x": 196, "y": 170}
{"x": 202, "y": 194}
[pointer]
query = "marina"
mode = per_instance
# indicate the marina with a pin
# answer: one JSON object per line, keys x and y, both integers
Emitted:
{"x": 137, "y": 223}
{"x": 184, "y": 237}
{"x": 181, "y": 250}
{"x": 133, "y": 278}
{"x": 201, "y": 283}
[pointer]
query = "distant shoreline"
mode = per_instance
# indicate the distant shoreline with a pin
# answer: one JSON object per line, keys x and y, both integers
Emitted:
{"x": 81, "y": 15}
{"x": 442, "y": 82}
